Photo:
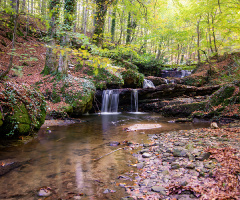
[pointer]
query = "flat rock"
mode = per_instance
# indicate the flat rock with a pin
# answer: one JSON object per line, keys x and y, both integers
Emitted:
{"x": 159, "y": 189}
{"x": 146, "y": 155}
{"x": 179, "y": 153}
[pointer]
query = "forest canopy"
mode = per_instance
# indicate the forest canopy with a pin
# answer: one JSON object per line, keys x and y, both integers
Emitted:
{"x": 174, "y": 31}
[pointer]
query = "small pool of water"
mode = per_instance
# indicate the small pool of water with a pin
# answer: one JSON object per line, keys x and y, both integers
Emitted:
{"x": 75, "y": 158}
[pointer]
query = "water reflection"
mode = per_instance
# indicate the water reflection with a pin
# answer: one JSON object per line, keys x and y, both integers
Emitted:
{"x": 76, "y": 158}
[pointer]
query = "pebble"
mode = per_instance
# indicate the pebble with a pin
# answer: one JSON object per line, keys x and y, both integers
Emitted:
{"x": 159, "y": 189}
{"x": 44, "y": 192}
{"x": 146, "y": 155}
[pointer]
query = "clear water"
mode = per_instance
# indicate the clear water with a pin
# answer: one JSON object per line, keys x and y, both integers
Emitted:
{"x": 76, "y": 159}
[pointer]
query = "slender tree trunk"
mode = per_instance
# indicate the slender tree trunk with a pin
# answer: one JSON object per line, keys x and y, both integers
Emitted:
{"x": 113, "y": 26}
{"x": 23, "y": 8}
{"x": 15, "y": 3}
{"x": 209, "y": 35}
{"x": 85, "y": 18}
{"x": 198, "y": 41}
{"x": 128, "y": 38}
{"x": 214, "y": 37}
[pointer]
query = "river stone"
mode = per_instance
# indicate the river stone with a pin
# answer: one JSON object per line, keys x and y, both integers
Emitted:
{"x": 140, "y": 165}
{"x": 159, "y": 189}
{"x": 146, "y": 155}
{"x": 44, "y": 192}
{"x": 179, "y": 153}
{"x": 203, "y": 156}
{"x": 175, "y": 166}
{"x": 191, "y": 166}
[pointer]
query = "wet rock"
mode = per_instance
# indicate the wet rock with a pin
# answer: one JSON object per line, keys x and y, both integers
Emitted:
{"x": 159, "y": 189}
{"x": 214, "y": 125}
{"x": 179, "y": 153}
{"x": 114, "y": 143}
{"x": 191, "y": 166}
{"x": 10, "y": 164}
{"x": 144, "y": 151}
{"x": 203, "y": 156}
{"x": 140, "y": 165}
{"x": 44, "y": 192}
{"x": 179, "y": 144}
{"x": 106, "y": 191}
{"x": 146, "y": 155}
{"x": 184, "y": 183}
{"x": 175, "y": 166}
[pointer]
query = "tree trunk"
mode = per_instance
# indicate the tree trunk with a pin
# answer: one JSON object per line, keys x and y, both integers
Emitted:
{"x": 128, "y": 38}
{"x": 15, "y": 3}
{"x": 198, "y": 42}
{"x": 85, "y": 18}
{"x": 101, "y": 10}
{"x": 50, "y": 63}
{"x": 69, "y": 12}
{"x": 23, "y": 6}
{"x": 209, "y": 35}
{"x": 214, "y": 37}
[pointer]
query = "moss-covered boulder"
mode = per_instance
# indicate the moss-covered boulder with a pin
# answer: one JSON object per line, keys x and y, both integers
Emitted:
{"x": 132, "y": 78}
{"x": 23, "y": 109}
{"x": 222, "y": 96}
{"x": 109, "y": 77}
{"x": 183, "y": 110}
{"x": 76, "y": 93}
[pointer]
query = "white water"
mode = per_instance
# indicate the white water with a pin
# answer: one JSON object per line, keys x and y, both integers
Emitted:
{"x": 148, "y": 84}
{"x": 134, "y": 100}
{"x": 110, "y": 102}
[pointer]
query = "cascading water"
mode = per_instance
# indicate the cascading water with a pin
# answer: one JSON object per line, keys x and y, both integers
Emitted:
{"x": 148, "y": 84}
{"x": 110, "y": 100}
{"x": 134, "y": 101}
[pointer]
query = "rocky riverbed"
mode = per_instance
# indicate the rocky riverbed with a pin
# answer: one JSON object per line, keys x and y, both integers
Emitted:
{"x": 201, "y": 163}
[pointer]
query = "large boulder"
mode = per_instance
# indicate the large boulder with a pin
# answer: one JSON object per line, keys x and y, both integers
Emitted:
{"x": 23, "y": 109}
{"x": 132, "y": 78}
{"x": 76, "y": 93}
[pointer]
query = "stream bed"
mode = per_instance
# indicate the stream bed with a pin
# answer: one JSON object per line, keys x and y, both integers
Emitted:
{"x": 80, "y": 161}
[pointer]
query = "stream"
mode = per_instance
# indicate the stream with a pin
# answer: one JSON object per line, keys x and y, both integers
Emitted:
{"x": 77, "y": 160}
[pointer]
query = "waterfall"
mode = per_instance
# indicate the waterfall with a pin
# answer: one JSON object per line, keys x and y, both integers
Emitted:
{"x": 134, "y": 100}
{"x": 110, "y": 99}
{"x": 148, "y": 84}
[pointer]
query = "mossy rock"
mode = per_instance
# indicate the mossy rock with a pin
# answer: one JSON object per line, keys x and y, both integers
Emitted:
{"x": 183, "y": 110}
{"x": 77, "y": 93}
{"x": 108, "y": 77}
{"x": 24, "y": 109}
{"x": 222, "y": 95}
{"x": 132, "y": 78}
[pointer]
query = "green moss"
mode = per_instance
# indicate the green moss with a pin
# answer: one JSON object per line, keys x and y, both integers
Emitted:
{"x": 1, "y": 117}
{"x": 184, "y": 110}
{"x": 221, "y": 95}
{"x": 21, "y": 114}
{"x": 24, "y": 128}
{"x": 132, "y": 78}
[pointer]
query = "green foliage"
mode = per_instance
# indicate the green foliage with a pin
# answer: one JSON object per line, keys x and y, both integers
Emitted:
{"x": 132, "y": 78}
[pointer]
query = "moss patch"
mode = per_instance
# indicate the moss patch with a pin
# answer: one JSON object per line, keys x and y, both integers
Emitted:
{"x": 24, "y": 109}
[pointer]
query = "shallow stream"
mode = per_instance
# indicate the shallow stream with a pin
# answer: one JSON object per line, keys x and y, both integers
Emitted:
{"x": 78, "y": 160}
